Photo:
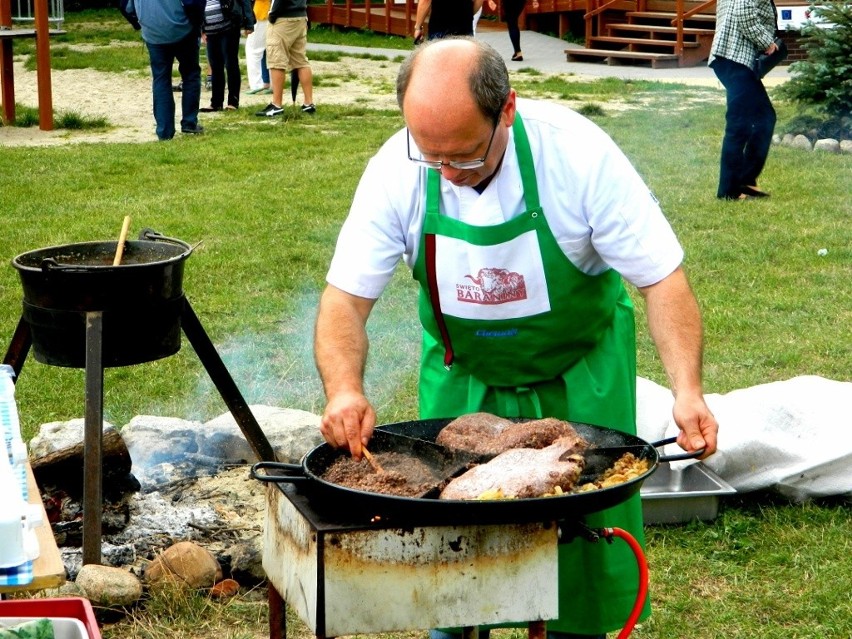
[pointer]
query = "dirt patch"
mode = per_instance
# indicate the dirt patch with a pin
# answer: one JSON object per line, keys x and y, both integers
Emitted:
{"x": 124, "y": 99}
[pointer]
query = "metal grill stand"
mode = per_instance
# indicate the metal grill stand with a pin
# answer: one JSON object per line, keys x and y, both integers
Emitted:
{"x": 93, "y": 428}
{"x": 344, "y": 574}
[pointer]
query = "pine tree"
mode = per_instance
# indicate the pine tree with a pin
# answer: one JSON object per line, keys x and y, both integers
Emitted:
{"x": 824, "y": 80}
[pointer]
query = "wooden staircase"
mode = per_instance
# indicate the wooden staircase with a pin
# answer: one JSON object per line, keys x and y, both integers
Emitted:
{"x": 627, "y": 35}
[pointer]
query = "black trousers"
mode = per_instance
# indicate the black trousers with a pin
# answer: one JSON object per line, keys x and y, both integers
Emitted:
{"x": 749, "y": 124}
{"x": 223, "y": 54}
{"x": 512, "y": 10}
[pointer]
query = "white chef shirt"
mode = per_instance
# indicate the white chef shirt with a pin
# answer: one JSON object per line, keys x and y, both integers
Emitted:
{"x": 598, "y": 208}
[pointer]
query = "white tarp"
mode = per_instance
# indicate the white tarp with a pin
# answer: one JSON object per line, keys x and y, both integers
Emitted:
{"x": 793, "y": 436}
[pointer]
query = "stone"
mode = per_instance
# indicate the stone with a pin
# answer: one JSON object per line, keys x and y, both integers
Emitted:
{"x": 56, "y": 436}
{"x": 108, "y": 586}
{"x": 224, "y": 589}
{"x": 802, "y": 142}
{"x": 152, "y": 439}
{"x": 247, "y": 560}
{"x": 827, "y": 145}
{"x": 846, "y": 146}
{"x": 291, "y": 433}
{"x": 787, "y": 140}
{"x": 184, "y": 563}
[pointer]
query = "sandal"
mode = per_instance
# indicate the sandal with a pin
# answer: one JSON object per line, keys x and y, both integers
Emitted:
{"x": 753, "y": 191}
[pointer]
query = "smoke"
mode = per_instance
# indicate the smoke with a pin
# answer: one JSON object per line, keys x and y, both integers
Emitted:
{"x": 277, "y": 368}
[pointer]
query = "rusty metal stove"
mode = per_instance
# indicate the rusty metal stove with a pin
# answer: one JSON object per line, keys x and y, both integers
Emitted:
{"x": 344, "y": 574}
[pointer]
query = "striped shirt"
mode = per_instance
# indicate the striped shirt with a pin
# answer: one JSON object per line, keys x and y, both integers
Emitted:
{"x": 744, "y": 28}
{"x": 215, "y": 20}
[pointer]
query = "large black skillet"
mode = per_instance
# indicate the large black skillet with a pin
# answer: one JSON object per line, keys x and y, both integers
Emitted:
{"x": 609, "y": 445}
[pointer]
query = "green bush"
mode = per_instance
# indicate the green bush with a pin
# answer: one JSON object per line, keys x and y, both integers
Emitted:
{"x": 824, "y": 80}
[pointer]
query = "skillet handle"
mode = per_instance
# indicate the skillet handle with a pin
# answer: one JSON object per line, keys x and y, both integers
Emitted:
{"x": 670, "y": 458}
{"x": 296, "y": 472}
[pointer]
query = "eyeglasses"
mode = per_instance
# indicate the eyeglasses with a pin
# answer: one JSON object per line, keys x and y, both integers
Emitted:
{"x": 465, "y": 165}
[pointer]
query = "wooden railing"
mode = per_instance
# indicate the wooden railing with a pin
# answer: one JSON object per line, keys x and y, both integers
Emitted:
{"x": 683, "y": 16}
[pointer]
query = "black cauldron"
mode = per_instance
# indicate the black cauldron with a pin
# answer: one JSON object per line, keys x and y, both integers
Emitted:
{"x": 141, "y": 299}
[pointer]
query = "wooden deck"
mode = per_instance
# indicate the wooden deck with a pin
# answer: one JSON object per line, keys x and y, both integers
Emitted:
{"x": 657, "y": 32}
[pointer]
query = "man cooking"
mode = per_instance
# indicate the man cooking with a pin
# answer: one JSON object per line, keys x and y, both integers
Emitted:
{"x": 519, "y": 219}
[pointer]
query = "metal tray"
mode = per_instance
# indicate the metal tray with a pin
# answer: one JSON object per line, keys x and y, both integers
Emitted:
{"x": 679, "y": 495}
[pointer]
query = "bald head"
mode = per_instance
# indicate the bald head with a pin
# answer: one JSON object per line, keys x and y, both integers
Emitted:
{"x": 450, "y": 77}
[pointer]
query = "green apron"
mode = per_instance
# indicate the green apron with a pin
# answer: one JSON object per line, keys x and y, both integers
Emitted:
{"x": 526, "y": 334}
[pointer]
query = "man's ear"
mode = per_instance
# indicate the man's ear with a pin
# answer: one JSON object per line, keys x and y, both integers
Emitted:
{"x": 509, "y": 109}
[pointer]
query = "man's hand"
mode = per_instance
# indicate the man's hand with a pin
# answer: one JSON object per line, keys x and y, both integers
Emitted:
{"x": 772, "y": 48}
{"x": 348, "y": 422}
{"x": 698, "y": 426}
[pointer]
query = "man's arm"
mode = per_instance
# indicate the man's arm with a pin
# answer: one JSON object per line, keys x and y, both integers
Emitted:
{"x": 340, "y": 350}
{"x": 674, "y": 321}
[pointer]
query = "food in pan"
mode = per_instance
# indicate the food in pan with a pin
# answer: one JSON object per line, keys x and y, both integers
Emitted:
{"x": 486, "y": 434}
{"x": 403, "y": 476}
{"x": 627, "y": 467}
{"x": 521, "y": 473}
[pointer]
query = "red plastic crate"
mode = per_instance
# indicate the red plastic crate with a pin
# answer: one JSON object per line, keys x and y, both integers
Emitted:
{"x": 73, "y": 607}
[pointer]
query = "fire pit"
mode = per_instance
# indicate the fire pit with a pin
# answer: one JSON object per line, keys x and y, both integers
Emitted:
{"x": 81, "y": 310}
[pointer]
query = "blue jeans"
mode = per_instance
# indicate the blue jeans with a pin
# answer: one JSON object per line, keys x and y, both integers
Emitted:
{"x": 223, "y": 53}
{"x": 162, "y": 58}
{"x": 749, "y": 123}
{"x": 484, "y": 634}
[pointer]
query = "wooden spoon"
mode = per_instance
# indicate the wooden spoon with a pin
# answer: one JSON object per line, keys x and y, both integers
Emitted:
{"x": 119, "y": 249}
{"x": 372, "y": 460}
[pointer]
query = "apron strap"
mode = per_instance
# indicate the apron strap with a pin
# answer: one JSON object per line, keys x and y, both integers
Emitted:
{"x": 525, "y": 164}
{"x": 435, "y": 299}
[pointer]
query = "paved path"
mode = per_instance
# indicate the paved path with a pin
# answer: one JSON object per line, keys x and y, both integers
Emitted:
{"x": 547, "y": 54}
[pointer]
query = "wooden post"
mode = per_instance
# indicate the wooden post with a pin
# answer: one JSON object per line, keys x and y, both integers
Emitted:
{"x": 7, "y": 73}
{"x": 45, "y": 94}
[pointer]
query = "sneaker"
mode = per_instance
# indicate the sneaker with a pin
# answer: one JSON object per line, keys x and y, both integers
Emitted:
{"x": 196, "y": 130}
{"x": 270, "y": 111}
{"x": 309, "y": 108}
{"x": 208, "y": 83}
{"x": 177, "y": 88}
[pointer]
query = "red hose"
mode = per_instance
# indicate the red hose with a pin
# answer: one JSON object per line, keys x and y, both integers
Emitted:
{"x": 643, "y": 578}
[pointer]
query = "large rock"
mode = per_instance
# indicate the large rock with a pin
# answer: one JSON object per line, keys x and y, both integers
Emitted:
{"x": 184, "y": 563}
{"x": 291, "y": 433}
{"x": 57, "y": 436}
{"x": 108, "y": 586}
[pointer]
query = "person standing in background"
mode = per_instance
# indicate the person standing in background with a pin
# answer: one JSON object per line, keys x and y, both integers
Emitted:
{"x": 512, "y": 10}
{"x": 491, "y": 5}
{"x": 286, "y": 47}
{"x": 258, "y": 74}
{"x": 445, "y": 18}
{"x": 169, "y": 35}
{"x": 223, "y": 21}
{"x": 744, "y": 29}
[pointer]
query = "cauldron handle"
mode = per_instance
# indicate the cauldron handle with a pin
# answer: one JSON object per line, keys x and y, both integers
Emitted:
{"x": 50, "y": 264}
{"x": 153, "y": 236}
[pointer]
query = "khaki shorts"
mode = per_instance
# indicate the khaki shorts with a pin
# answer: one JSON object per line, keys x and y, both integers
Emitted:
{"x": 286, "y": 44}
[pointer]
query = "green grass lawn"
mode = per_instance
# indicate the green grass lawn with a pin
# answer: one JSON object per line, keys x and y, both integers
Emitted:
{"x": 265, "y": 202}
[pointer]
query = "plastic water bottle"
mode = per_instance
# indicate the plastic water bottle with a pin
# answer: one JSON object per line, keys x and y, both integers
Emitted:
{"x": 10, "y": 424}
{"x": 18, "y": 542}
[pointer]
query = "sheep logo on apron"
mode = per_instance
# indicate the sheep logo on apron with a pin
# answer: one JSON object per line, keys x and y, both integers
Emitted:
{"x": 493, "y": 286}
